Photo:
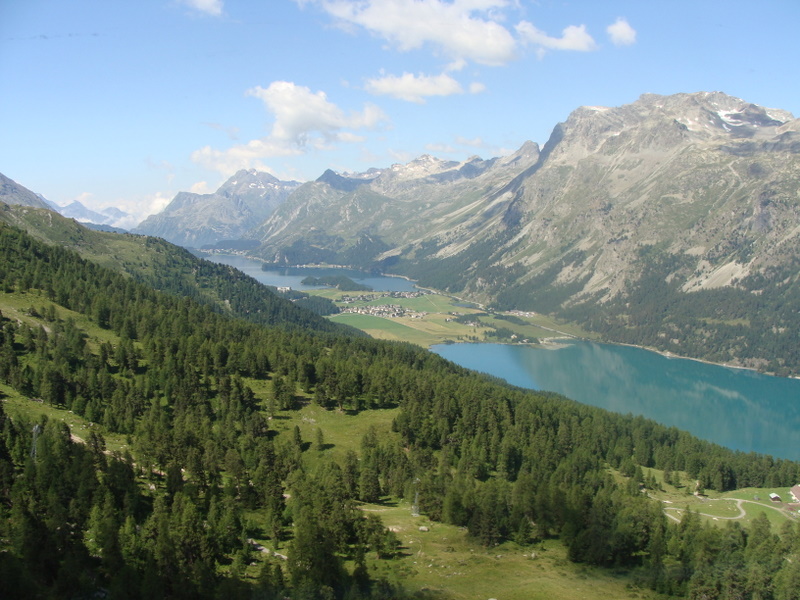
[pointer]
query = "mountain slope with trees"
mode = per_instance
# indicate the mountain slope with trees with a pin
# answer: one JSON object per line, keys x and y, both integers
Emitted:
{"x": 180, "y": 379}
{"x": 167, "y": 268}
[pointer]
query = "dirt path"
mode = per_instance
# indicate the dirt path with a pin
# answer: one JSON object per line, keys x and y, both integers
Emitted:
{"x": 739, "y": 505}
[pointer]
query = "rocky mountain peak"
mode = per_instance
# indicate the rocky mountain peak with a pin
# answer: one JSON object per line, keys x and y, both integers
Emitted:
{"x": 13, "y": 193}
{"x": 241, "y": 203}
{"x": 252, "y": 182}
{"x": 343, "y": 183}
{"x": 662, "y": 122}
{"x": 419, "y": 168}
{"x": 250, "y": 176}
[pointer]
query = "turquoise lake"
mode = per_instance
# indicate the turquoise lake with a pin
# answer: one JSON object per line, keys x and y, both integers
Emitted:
{"x": 292, "y": 276}
{"x": 736, "y": 408}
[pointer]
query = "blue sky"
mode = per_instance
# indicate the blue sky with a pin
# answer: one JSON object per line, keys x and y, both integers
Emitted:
{"x": 118, "y": 103}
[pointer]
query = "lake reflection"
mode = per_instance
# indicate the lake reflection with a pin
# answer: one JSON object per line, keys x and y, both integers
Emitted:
{"x": 736, "y": 408}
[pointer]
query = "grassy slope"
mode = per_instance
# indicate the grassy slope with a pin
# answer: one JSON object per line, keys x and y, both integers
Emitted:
{"x": 443, "y": 561}
{"x": 446, "y": 561}
{"x": 718, "y": 508}
{"x": 16, "y": 306}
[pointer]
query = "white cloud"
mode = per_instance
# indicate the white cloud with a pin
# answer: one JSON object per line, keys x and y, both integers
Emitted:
{"x": 476, "y": 87}
{"x": 154, "y": 203}
{"x": 139, "y": 209}
{"x": 621, "y": 33}
{"x": 414, "y": 88}
{"x": 303, "y": 120}
{"x": 241, "y": 156}
{"x": 201, "y": 187}
{"x": 573, "y": 37}
{"x": 461, "y": 29}
{"x": 208, "y": 7}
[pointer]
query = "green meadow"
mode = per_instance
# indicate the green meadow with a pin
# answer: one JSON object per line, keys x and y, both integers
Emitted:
{"x": 431, "y": 321}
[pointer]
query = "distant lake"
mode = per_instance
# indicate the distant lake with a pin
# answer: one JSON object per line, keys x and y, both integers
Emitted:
{"x": 736, "y": 408}
{"x": 292, "y": 276}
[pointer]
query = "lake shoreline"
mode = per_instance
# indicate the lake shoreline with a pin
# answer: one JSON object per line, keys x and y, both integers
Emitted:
{"x": 543, "y": 343}
{"x": 738, "y": 408}
{"x": 553, "y": 343}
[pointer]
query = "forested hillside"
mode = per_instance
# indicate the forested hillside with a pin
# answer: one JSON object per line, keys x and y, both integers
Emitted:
{"x": 165, "y": 267}
{"x": 195, "y": 390}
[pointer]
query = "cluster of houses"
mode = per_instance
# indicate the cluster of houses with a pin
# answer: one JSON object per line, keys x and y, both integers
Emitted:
{"x": 345, "y": 299}
{"x": 522, "y": 313}
{"x": 385, "y": 311}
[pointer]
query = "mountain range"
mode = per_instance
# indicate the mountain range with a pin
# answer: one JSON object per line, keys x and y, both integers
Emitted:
{"x": 671, "y": 222}
{"x": 107, "y": 216}
{"x": 13, "y": 193}
{"x": 692, "y": 195}
{"x": 241, "y": 203}
{"x": 703, "y": 175}
{"x": 162, "y": 402}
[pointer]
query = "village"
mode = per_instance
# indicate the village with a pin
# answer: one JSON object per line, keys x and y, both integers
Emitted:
{"x": 385, "y": 311}
{"x": 370, "y": 296}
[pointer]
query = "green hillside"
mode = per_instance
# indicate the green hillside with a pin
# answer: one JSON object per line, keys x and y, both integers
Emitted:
{"x": 166, "y": 267}
{"x": 204, "y": 455}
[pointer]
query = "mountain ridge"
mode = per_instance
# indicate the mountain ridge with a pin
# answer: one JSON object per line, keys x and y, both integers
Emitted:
{"x": 379, "y": 205}
{"x": 245, "y": 200}
{"x": 12, "y": 192}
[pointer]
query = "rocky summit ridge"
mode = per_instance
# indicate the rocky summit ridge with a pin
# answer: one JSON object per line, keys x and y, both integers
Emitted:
{"x": 705, "y": 175}
{"x": 241, "y": 203}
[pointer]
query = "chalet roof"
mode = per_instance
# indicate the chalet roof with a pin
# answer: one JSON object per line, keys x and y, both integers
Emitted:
{"x": 795, "y": 491}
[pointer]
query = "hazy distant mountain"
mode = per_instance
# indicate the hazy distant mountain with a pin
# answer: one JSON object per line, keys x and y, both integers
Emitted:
{"x": 102, "y": 227}
{"x": 102, "y": 220}
{"x": 114, "y": 213}
{"x": 242, "y": 202}
{"x": 13, "y": 193}
{"x": 695, "y": 192}
{"x": 79, "y": 212}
